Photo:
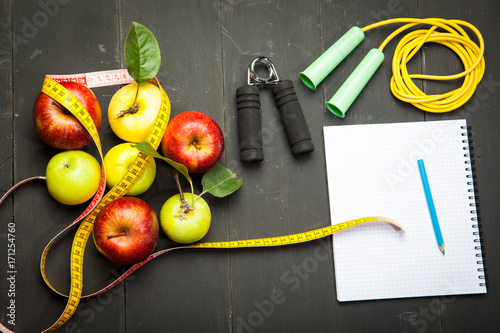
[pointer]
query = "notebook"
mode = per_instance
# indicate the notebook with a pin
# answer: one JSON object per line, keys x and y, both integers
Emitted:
{"x": 372, "y": 170}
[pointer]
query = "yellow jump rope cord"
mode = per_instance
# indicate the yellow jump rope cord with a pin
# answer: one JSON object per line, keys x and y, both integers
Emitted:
{"x": 451, "y": 36}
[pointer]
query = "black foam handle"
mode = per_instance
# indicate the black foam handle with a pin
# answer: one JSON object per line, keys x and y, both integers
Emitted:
{"x": 249, "y": 124}
{"x": 293, "y": 118}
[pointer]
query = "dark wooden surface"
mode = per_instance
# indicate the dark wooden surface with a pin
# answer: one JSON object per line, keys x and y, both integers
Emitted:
{"x": 206, "y": 48}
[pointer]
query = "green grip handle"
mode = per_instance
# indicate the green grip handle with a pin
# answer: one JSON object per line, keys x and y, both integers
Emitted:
{"x": 351, "y": 88}
{"x": 321, "y": 67}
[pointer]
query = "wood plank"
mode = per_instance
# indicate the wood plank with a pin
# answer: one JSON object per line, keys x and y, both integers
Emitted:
{"x": 6, "y": 156}
{"x": 291, "y": 288}
{"x": 6, "y": 98}
{"x": 474, "y": 312}
{"x": 190, "y": 290}
{"x": 375, "y": 104}
{"x": 54, "y": 40}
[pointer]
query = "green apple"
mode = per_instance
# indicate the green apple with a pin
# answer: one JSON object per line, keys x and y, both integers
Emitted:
{"x": 117, "y": 161}
{"x": 184, "y": 224}
{"x": 73, "y": 177}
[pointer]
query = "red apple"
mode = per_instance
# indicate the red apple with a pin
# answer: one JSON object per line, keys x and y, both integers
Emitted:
{"x": 59, "y": 128}
{"x": 126, "y": 230}
{"x": 193, "y": 139}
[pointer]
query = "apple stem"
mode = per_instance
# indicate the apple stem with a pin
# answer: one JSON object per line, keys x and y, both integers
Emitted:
{"x": 59, "y": 105}
{"x": 185, "y": 207}
{"x": 131, "y": 110}
{"x": 178, "y": 183}
{"x": 117, "y": 235}
{"x": 196, "y": 145}
{"x": 136, "y": 94}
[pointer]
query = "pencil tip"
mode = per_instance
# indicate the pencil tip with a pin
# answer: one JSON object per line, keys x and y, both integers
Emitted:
{"x": 441, "y": 248}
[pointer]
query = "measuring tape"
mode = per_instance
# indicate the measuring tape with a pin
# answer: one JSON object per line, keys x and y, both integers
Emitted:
{"x": 291, "y": 239}
{"x": 97, "y": 79}
{"x": 133, "y": 174}
{"x": 55, "y": 90}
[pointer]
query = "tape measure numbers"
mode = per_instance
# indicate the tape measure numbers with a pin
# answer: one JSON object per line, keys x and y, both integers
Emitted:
{"x": 253, "y": 243}
{"x": 299, "y": 237}
{"x": 133, "y": 174}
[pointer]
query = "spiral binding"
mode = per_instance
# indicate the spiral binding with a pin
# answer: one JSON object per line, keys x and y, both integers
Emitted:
{"x": 469, "y": 155}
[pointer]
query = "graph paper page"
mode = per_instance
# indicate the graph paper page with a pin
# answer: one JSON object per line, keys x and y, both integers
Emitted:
{"x": 373, "y": 171}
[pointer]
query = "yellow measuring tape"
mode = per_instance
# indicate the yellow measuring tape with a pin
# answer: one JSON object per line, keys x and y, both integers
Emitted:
{"x": 70, "y": 102}
{"x": 291, "y": 239}
{"x": 64, "y": 97}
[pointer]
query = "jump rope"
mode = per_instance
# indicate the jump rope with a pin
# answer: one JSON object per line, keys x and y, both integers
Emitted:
{"x": 402, "y": 85}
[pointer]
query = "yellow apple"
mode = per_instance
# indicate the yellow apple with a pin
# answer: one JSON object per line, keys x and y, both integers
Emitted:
{"x": 131, "y": 121}
{"x": 116, "y": 163}
{"x": 73, "y": 177}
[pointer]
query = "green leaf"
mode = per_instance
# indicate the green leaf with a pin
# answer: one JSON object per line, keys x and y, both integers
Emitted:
{"x": 142, "y": 53}
{"x": 220, "y": 181}
{"x": 146, "y": 148}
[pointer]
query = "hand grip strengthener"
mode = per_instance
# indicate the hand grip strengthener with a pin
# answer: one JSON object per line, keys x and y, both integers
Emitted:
{"x": 249, "y": 113}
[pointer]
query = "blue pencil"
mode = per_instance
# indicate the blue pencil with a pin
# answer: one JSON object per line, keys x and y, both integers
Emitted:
{"x": 430, "y": 204}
